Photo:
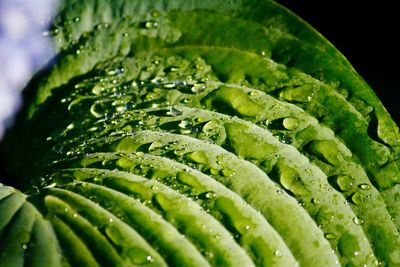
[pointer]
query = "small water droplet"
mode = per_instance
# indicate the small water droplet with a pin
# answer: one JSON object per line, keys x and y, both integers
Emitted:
{"x": 227, "y": 172}
{"x": 277, "y": 253}
{"x": 77, "y": 19}
{"x": 198, "y": 88}
{"x": 291, "y": 123}
{"x": 356, "y": 198}
{"x": 358, "y": 221}
{"x": 24, "y": 246}
{"x": 174, "y": 112}
{"x": 254, "y": 93}
{"x": 364, "y": 186}
{"x": 345, "y": 182}
{"x": 330, "y": 236}
{"x": 209, "y": 254}
{"x": 149, "y": 258}
{"x": 210, "y": 195}
{"x": 98, "y": 89}
{"x": 315, "y": 201}
{"x": 186, "y": 126}
{"x": 151, "y": 24}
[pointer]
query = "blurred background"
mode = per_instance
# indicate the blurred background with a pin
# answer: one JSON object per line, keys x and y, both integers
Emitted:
{"x": 23, "y": 49}
{"x": 367, "y": 33}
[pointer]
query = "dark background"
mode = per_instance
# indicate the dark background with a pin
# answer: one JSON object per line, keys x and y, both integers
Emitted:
{"x": 367, "y": 33}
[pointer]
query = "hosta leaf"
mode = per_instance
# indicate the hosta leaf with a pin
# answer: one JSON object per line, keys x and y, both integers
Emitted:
{"x": 198, "y": 133}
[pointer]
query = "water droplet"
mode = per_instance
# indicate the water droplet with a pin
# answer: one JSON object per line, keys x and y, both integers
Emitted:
{"x": 210, "y": 195}
{"x": 95, "y": 112}
{"x": 198, "y": 88}
{"x": 174, "y": 112}
{"x": 150, "y": 24}
{"x": 149, "y": 258}
{"x": 358, "y": 221}
{"x": 186, "y": 126}
{"x": 77, "y": 19}
{"x": 247, "y": 227}
{"x": 24, "y": 246}
{"x": 315, "y": 201}
{"x": 345, "y": 182}
{"x": 209, "y": 254}
{"x": 291, "y": 123}
{"x": 75, "y": 215}
{"x": 277, "y": 253}
{"x": 110, "y": 220}
{"x": 98, "y": 89}
{"x": 330, "y": 236}
{"x": 70, "y": 126}
{"x": 290, "y": 179}
{"x": 364, "y": 186}
{"x": 356, "y": 198}
{"x": 227, "y": 172}
{"x": 254, "y": 93}
{"x": 116, "y": 71}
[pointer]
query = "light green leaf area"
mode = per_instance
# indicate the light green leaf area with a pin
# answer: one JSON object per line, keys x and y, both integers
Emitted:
{"x": 198, "y": 133}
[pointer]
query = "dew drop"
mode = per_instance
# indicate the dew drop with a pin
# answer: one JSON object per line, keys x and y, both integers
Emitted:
{"x": 345, "y": 182}
{"x": 174, "y": 112}
{"x": 358, "y": 221}
{"x": 356, "y": 198}
{"x": 185, "y": 125}
{"x": 198, "y": 88}
{"x": 148, "y": 24}
{"x": 330, "y": 236}
{"x": 277, "y": 253}
{"x": 291, "y": 123}
{"x": 364, "y": 186}
{"x": 315, "y": 201}
{"x": 254, "y": 93}
{"x": 210, "y": 195}
{"x": 98, "y": 89}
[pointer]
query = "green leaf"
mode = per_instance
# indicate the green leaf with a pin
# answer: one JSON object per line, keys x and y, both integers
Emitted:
{"x": 198, "y": 133}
